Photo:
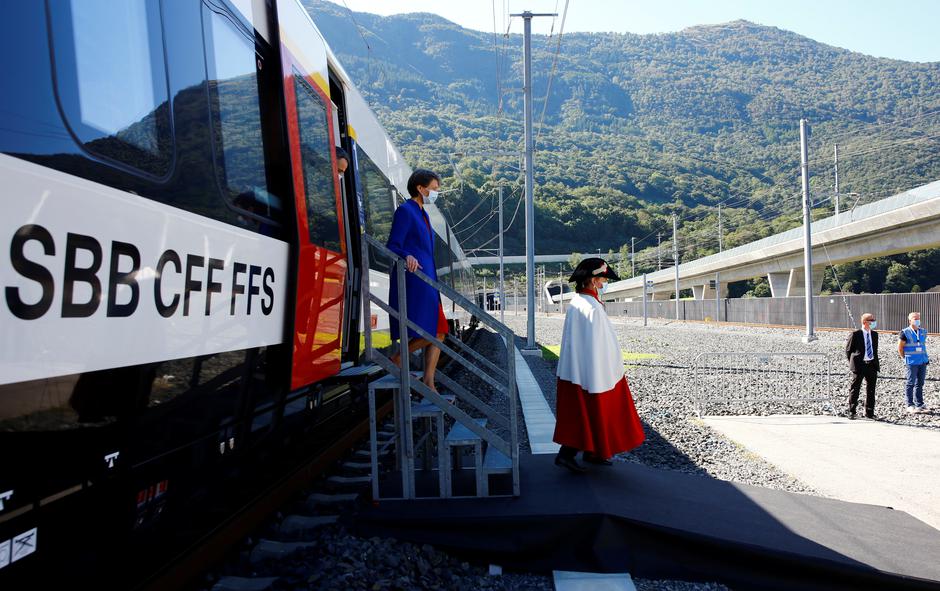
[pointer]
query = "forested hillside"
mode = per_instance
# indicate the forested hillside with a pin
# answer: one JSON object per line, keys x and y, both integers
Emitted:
{"x": 639, "y": 127}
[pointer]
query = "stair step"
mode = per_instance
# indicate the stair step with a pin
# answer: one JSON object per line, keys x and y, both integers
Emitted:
{"x": 390, "y": 382}
{"x": 358, "y": 370}
{"x": 496, "y": 462}
{"x": 352, "y": 466}
{"x": 461, "y": 435}
{"x": 320, "y": 499}
{"x": 271, "y": 550}
{"x": 244, "y": 584}
{"x": 349, "y": 480}
{"x": 367, "y": 455}
{"x": 426, "y": 408}
{"x": 298, "y": 526}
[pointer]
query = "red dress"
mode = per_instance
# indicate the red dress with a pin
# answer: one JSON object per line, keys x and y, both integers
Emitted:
{"x": 602, "y": 423}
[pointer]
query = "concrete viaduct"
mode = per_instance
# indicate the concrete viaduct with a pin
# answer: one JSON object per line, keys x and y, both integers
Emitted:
{"x": 901, "y": 223}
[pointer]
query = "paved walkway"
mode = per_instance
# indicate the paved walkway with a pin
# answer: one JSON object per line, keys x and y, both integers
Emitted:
{"x": 539, "y": 418}
{"x": 859, "y": 461}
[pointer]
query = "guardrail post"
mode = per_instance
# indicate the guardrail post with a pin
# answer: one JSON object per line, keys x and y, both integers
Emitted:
{"x": 404, "y": 416}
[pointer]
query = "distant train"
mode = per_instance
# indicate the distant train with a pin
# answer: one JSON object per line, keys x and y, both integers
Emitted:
{"x": 180, "y": 271}
{"x": 554, "y": 288}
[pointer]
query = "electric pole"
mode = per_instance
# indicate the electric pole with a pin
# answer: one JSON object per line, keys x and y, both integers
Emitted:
{"x": 836, "y": 172}
{"x": 717, "y": 274}
{"x": 659, "y": 258}
{"x": 530, "y": 347}
{"x": 807, "y": 232}
{"x": 502, "y": 291}
{"x": 675, "y": 256}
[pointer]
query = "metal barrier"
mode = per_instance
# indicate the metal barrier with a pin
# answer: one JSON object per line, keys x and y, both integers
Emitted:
{"x": 763, "y": 383}
{"x": 829, "y": 311}
{"x": 502, "y": 456}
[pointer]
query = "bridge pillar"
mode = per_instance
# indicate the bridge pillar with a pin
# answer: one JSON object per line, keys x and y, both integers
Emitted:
{"x": 796, "y": 286}
{"x": 707, "y": 291}
{"x": 779, "y": 283}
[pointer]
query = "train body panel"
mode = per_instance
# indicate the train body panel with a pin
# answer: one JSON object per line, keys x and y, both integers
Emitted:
{"x": 194, "y": 285}
{"x": 179, "y": 271}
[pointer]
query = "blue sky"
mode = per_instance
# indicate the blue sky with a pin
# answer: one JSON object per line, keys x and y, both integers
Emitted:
{"x": 897, "y": 29}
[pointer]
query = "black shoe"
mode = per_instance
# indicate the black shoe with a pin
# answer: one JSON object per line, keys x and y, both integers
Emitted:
{"x": 851, "y": 416}
{"x": 592, "y": 459}
{"x": 570, "y": 463}
{"x": 871, "y": 417}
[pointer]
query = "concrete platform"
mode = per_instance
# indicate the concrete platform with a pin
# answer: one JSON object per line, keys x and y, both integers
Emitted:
{"x": 860, "y": 461}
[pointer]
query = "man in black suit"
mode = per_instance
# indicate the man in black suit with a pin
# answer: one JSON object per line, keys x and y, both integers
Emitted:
{"x": 861, "y": 350}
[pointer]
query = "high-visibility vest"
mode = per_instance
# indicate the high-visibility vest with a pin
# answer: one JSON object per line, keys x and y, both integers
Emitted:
{"x": 915, "y": 346}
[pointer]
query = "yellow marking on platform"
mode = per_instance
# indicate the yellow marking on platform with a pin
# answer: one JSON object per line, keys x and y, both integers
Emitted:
{"x": 550, "y": 353}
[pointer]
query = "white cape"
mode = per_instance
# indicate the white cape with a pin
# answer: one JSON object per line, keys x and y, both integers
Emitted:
{"x": 590, "y": 354}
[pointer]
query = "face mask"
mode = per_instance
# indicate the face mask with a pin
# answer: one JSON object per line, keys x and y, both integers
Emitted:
{"x": 917, "y": 323}
{"x": 432, "y": 197}
{"x": 874, "y": 324}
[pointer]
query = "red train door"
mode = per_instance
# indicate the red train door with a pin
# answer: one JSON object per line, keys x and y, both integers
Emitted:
{"x": 321, "y": 262}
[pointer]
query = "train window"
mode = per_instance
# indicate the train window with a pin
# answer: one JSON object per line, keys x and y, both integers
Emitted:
{"x": 319, "y": 175}
{"x": 441, "y": 256}
{"x": 97, "y": 398}
{"x": 102, "y": 50}
{"x": 232, "y": 84}
{"x": 377, "y": 199}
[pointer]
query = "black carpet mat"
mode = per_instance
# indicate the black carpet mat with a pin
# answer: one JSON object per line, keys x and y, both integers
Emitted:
{"x": 668, "y": 525}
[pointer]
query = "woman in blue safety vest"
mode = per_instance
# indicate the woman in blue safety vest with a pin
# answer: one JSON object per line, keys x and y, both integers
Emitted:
{"x": 912, "y": 347}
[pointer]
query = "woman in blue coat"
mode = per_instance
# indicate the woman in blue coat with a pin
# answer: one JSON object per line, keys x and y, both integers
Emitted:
{"x": 412, "y": 239}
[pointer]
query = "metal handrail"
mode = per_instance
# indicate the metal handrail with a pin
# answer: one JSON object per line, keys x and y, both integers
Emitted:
{"x": 510, "y": 449}
{"x": 445, "y": 289}
{"x": 431, "y": 338}
{"x": 489, "y": 364}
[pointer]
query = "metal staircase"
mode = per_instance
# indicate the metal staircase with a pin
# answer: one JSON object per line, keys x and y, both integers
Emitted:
{"x": 457, "y": 432}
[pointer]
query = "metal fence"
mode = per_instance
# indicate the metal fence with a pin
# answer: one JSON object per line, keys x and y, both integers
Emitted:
{"x": 832, "y": 311}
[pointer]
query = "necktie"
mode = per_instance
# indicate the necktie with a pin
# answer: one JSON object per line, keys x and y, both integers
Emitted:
{"x": 868, "y": 352}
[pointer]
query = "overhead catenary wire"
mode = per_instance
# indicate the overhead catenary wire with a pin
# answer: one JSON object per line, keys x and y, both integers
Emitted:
{"x": 513, "y": 219}
{"x": 551, "y": 76}
{"x": 881, "y": 126}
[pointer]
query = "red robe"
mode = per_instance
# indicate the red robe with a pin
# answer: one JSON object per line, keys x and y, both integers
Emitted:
{"x": 594, "y": 406}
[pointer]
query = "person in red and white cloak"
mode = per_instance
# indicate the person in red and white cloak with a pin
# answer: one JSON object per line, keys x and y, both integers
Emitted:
{"x": 595, "y": 409}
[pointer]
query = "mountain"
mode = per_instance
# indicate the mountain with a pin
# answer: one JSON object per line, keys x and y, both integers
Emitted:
{"x": 638, "y": 127}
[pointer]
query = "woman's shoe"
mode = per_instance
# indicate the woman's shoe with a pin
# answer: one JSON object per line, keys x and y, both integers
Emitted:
{"x": 592, "y": 459}
{"x": 570, "y": 463}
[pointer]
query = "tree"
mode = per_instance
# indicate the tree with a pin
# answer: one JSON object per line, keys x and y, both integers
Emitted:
{"x": 574, "y": 259}
{"x": 898, "y": 279}
{"x": 761, "y": 290}
{"x": 624, "y": 266}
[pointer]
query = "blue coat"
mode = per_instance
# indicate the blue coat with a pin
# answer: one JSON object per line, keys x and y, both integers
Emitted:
{"x": 410, "y": 235}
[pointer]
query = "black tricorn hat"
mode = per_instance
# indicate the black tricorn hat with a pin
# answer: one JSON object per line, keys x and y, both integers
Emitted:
{"x": 593, "y": 267}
